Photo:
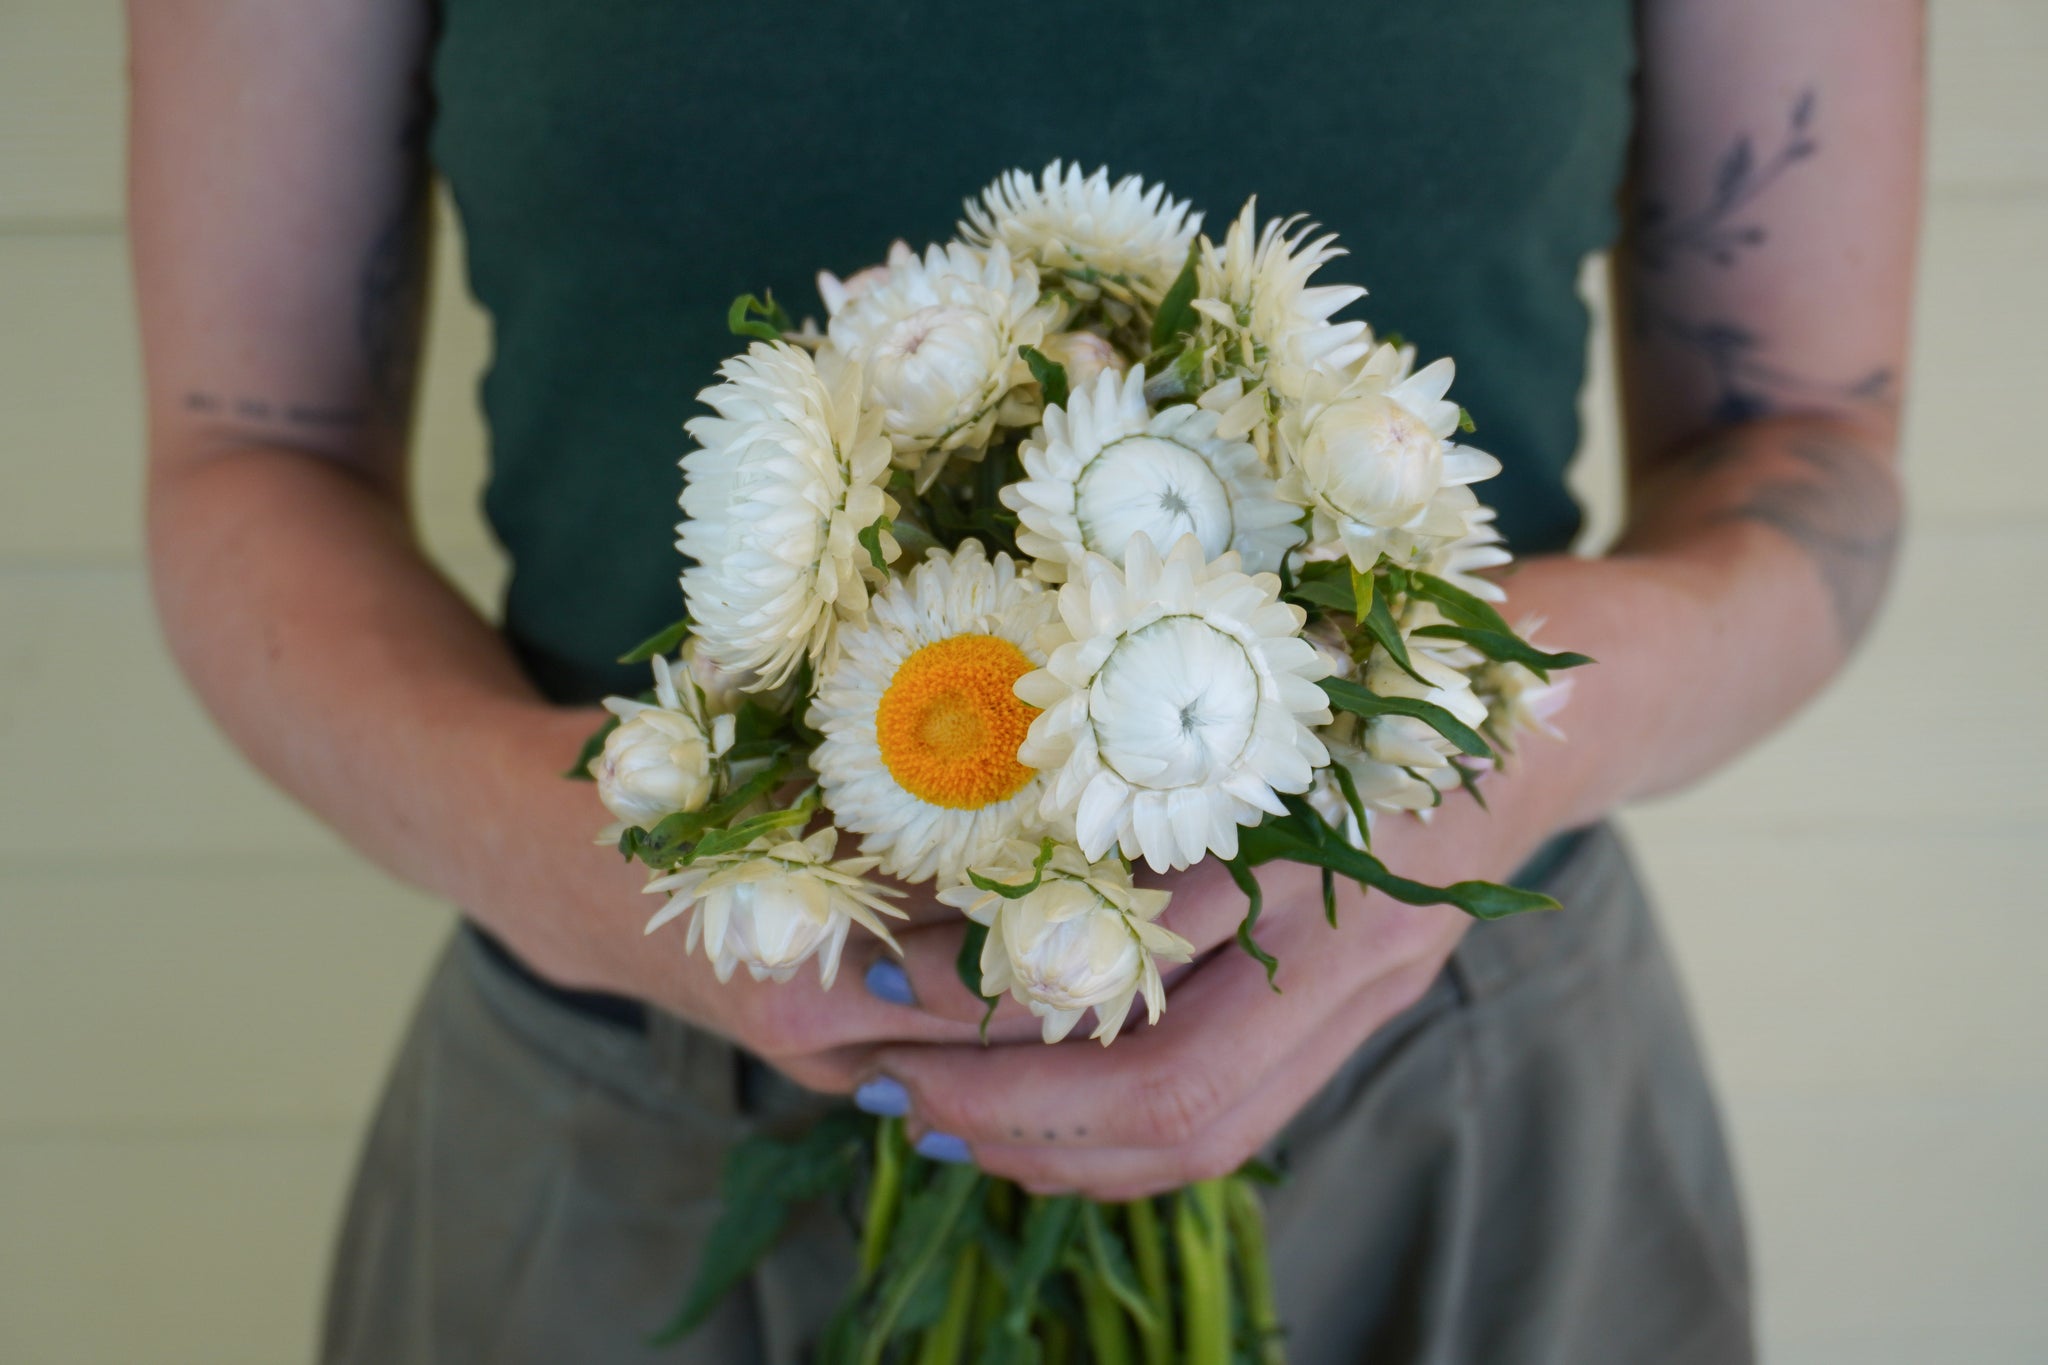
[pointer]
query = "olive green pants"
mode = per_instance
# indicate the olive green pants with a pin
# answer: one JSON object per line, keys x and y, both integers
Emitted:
{"x": 1524, "y": 1167}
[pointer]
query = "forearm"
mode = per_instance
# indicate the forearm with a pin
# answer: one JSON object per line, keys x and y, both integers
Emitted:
{"x": 1750, "y": 567}
{"x": 347, "y": 669}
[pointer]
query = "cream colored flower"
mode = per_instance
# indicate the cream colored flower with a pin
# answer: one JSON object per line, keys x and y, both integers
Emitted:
{"x": 786, "y": 477}
{"x": 772, "y": 906}
{"x": 1372, "y": 460}
{"x": 1263, "y": 321}
{"x": 1124, "y": 240}
{"x": 1084, "y": 939}
{"x": 937, "y": 341}
{"x": 1105, "y": 471}
{"x": 661, "y": 758}
{"x": 837, "y": 293}
{"x": 920, "y": 718}
{"x": 1083, "y": 355}
{"x": 1180, "y": 703}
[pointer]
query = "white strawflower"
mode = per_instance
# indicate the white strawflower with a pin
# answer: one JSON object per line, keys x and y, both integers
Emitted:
{"x": 1180, "y": 703}
{"x": 1265, "y": 322}
{"x": 837, "y": 293}
{"x": 1373, "y": 461}
{"x": 660, "y": 759}
{"x": 787, "y": 476}
{"x": 921, "y": 720}
{"x": 1124, "y": 240}
{"x": 1084, "y": 939}
{"x": 1405, "y": 741}
{"x": 772, "y": 906}
{"x": 1083, "y": 355}
{"x": 1105, "y": 471}
{"x": 937, "y": 340}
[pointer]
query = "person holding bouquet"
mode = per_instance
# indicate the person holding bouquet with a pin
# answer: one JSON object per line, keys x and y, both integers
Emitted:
{"x": 1499, "y": 1143}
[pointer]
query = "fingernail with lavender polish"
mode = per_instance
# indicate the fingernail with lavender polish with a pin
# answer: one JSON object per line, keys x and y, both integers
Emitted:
{"x": 943, "y": 1147}
{"x": 886, "y": 980}
{"x": 883, "y": 1098}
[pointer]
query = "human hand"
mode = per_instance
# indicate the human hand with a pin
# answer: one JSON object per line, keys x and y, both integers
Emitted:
{"x": 1231, "y": 1061}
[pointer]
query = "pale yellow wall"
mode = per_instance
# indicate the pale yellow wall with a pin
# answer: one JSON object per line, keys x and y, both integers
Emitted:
{"x": 199, "y": 987}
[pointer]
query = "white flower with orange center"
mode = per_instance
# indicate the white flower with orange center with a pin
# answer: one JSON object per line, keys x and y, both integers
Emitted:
{"x": 921, "y": 720}
{"x": 1107, "y": 470}
{"x": 1082, "y": 938}
{"x": 1181, "y": 704}
{"x": 774, "y": 905}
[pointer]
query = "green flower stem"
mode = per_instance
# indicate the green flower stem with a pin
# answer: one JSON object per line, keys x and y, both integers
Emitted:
{"x": 1198, "y": 1236}
{"x": 884, "y": 1194}
{"x": 1248, "y": 1229}
{"x": 956, "y": 1186}
{"x": 1108, "y": 1341}
{"x": 943, "y": 1342}
{"x": 1053, "y": 1338}
{"x": 1148, "y": 1250}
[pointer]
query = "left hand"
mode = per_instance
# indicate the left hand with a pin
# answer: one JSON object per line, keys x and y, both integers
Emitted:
{"x": 1230, "y": 1061}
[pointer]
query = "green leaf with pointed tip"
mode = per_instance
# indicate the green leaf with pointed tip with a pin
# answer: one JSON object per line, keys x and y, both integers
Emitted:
{"x": 1507, "y": 648}
{"x": 1111, "y": 1262}
{"x": 1461, "y": 606}
{"x": 1011, "y": 891}
{"x": 1177, "y": 310}
{"x": 1465, "y": 422}
{"x": 1379, "y": 624}
{"x": 870, "y": 539}
{"x": 1363, "y": 598}
{"x": 1349, "y": 696}
{"x": 1050, "y": 374}
{"x": 1282, "y": 839}
{"x": 663, "y": 642}
{"x": 1323, "y": 592}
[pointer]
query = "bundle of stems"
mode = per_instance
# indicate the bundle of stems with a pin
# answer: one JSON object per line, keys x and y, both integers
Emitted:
{"x": 958, "y": 1266}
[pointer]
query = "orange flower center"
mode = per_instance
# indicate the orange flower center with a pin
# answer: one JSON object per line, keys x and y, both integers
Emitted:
{"x": 949, "y": 725}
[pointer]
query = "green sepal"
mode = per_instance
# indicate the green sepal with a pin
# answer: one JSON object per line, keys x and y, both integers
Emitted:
{"x": 663, "y": 642}
{"x": 764, "y": 1178}
{"x": 1359, "y": 701}
{"x": 1011, "y": 891}
{"x": 762, "y": 320}
{"x": 1507, "y": 648}
{"x": 870, "y": 539}
{"x": 1241, "y": 872}
{"x": 1050, "y": 374}
{"x": 1177, "y": 309}
{"x": 1465, "y": 422}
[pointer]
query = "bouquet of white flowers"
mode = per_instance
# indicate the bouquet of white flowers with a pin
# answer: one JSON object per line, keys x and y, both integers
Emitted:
{"x": 1078, "y": 542}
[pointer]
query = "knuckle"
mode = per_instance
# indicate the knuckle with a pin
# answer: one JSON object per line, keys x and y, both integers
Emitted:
{"x": 1175, "y": 1106}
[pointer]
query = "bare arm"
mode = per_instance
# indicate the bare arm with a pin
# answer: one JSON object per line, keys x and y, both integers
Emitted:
{"x": 277, "y": 192}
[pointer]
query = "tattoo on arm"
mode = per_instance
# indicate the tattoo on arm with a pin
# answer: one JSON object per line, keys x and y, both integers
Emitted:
{"x": 1839, "y": 505}
{"x": 1718, "y": 235}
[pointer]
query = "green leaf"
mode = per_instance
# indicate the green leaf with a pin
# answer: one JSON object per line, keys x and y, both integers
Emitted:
{"x": 592, "y": 747}
{"x": 1111, "y": 1263}
{"x": 1324, "y": 592}
{"x": 1348, "y": 785}
{"x": 746, "y": 831}
{"x": 1465, "y": 422}
{"x": 926, "y": 1234}
{"x": 1363, "y": 598}
{"x": 1177, "y": 310}
{"x": 1461, "y": 606}
{"x": 1050, "y": 374}
{"x": 1018, "y": 890}
{"x": 1047, "y": 1228}
{"x": 764, "y": 1178}
{"x": 967, "y": 966}
{"x": 1278, "y": 839}
{"x": 1507, "y": 648}
{"x": 1379, "y": 624}
{"x": 1349, "y": 696}
{"x": 1241, "y": 873}
{"x": 870, "y": 539}
{"x": 664, "y": 641}
{"x": 751, "y": 317}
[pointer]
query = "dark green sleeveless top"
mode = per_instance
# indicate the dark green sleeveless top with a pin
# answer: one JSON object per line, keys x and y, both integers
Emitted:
{"x": 624, "y": 168}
